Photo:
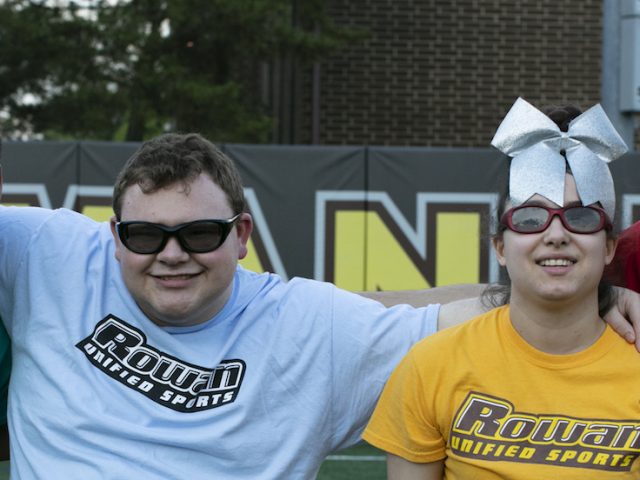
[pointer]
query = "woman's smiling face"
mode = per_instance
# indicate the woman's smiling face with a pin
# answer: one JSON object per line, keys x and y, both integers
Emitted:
{"x": 555, "y": 264}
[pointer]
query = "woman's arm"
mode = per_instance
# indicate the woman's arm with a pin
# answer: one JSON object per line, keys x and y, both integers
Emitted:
{"x": 400, "y": 469}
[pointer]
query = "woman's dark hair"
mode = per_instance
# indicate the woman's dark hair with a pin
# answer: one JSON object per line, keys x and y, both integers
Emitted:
{"x": 498, "y": 294}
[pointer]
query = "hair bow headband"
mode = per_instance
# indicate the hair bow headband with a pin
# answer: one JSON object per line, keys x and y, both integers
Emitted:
{"x": 535, "y": 142}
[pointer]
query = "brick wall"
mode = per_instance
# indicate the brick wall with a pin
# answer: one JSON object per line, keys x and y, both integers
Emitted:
{"x": 443, "y": 73}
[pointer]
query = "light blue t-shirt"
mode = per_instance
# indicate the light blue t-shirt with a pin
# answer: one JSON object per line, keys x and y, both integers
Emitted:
{"x": 285, "y": 374}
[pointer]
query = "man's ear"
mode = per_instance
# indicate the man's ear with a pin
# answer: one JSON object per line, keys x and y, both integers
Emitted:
{"x": 244, "y": 227}
{"x": 116, "y": 239}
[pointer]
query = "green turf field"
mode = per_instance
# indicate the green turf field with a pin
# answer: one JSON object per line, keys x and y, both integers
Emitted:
{"x": 366, "y": 463}
{"x": 356, "y": 463}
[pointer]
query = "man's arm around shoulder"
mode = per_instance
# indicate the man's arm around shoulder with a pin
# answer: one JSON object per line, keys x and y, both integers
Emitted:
{"x": 459, "y": 302}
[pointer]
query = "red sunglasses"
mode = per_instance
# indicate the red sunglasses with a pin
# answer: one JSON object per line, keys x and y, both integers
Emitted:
{"x": 537, "y": 218}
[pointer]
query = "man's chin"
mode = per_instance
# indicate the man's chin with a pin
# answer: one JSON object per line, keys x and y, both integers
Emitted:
{"x": 171, "y": 317}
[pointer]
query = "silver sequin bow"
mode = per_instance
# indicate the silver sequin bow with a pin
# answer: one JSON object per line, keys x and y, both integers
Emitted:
{"x": 535, "y": 142}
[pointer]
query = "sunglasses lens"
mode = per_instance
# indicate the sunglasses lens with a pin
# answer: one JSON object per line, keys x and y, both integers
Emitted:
{"x": 143, "y": 238}
{"x": 529, "y": 219}
{"x": 582, "y": 219}
{"x": 200, "y": 236}
{"x": 203, "y": 236}
{"x": 534, "y": 219}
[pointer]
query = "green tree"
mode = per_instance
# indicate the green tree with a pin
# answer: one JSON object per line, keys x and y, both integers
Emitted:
{"x": 131, "y": 69}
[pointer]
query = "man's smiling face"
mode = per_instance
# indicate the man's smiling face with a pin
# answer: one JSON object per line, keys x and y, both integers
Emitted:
{"x": 174, "y": 287}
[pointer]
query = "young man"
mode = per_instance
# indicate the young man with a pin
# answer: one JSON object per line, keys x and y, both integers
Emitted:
{"x": 142, "y": 350}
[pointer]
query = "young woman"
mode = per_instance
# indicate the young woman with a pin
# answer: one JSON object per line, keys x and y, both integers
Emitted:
{"x": 540, "y": 387}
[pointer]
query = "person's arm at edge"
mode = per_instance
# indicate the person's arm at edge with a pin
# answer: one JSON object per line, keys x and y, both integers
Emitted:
{"x": 400, "y": 469}
{"x": 4, "y": 442}
{"x": 4, "y": 429}
{"x": 5, "y": 371}
{"x": 624, "y": 317}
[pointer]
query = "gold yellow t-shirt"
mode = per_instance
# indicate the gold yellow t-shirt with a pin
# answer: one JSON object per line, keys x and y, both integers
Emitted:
{"x": 495, "y": 407}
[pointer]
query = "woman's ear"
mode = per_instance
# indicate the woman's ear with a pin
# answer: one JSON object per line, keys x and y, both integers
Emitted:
{"x": 612, "y": 244}
{"x": 498, "y": 246}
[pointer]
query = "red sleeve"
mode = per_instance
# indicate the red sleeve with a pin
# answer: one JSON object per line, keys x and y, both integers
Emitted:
{"x": 624, "y": 270}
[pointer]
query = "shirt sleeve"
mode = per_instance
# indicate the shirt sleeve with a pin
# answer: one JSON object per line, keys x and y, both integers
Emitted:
{"x": 368, "y": 341}
{"x": 17, "y": 227}
{"x": 624, "y": 270}
{"x": 403, "y": 422}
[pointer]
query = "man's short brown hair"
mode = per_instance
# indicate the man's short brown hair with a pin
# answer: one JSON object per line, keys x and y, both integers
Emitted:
{"x": 171, "y": 158}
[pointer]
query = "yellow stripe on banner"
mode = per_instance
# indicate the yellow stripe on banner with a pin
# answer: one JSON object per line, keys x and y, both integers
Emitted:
{"x": 252, "y": 260}
{"x": 349, "y": 250}
{"x": 457, "y": 248}
{"x": 99, "y": 214}
{"x": 388, "y": 266}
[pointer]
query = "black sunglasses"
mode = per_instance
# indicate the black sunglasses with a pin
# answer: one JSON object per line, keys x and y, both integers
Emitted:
{"x": 200, "y": 236}
{"x": 537, "y": 218}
